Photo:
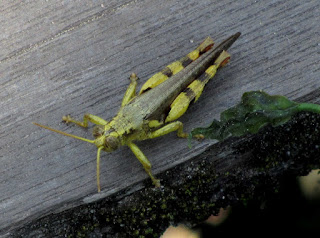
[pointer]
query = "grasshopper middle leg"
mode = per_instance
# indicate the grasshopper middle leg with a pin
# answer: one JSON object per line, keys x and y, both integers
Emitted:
{"x": 130, "y": 93}
{"x": 174, "y": 126}
{"x": 131, "y": 90}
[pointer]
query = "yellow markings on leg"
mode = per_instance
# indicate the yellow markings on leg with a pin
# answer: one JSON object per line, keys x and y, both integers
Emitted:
{"x": 223, "y": 59}
{"x": 193, "y": 55}
{"x": 205, "y": 45}
{"x": 174, "y": 126}
{"x": 162, "y": 76}
{"x": 178, "y": 107}
{"x": 86, "y": 118}
{"x": 131, "y": 90}
{"x": 177, "y": 66}
{"x": 197, "y": 86}
{"x": 155, "y": 123}
{"x": 144, "y": 161}
{"x": 192, "y": 93}
{"x": 154, "y": 81}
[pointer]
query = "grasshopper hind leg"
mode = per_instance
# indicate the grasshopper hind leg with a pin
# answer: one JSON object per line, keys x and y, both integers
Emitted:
{"x": 177, "y": 66}
{"x": 192, "y": 93}
{"x": 174, "y": 126}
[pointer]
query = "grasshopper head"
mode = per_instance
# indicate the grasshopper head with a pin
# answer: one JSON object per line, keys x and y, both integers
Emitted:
{"x": 108, "y": 140}
{"x": 111, "y": 143}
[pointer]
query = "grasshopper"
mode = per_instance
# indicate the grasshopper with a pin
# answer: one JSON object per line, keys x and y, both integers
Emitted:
{"x": 161, "y": 101}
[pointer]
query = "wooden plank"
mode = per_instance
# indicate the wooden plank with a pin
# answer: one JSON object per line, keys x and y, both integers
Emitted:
{"x": 75, "y": 57}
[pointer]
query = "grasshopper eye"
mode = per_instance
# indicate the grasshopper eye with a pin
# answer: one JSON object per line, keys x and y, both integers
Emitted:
{"x": 111, "y": 143}
{"x": 98, "y": 131}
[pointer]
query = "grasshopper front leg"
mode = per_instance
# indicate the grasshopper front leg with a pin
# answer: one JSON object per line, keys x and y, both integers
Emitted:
{"x": 130, "y": 93}
{"x": 144, "y": 161}
{"x": 131, "y": 90}
{"x": 173, "y": 126}
{"x": 86, "y": 119}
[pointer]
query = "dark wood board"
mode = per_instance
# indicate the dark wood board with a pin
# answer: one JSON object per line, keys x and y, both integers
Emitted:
{"x": 74, "y": 57}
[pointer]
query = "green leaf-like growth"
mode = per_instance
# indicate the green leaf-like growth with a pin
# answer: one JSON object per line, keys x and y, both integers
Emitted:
{"x": 256, "y": 109}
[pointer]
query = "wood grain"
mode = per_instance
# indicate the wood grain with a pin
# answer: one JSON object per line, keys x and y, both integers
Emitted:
{"x": 74, "y": 57}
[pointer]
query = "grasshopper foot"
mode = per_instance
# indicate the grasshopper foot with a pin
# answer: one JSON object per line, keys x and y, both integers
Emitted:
{"x": 156, "y": 182}
{"x": 67, "y": 119}
{"x": 133, "y": 77}
{"x": 199, "y": 137}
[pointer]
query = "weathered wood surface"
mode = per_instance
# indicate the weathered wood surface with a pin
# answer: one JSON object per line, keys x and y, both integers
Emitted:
{"x": 74, "y": 57}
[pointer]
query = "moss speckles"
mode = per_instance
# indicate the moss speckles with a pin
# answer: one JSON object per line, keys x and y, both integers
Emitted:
{"x": 156, "y": 209}
{"x": 273, "y": 153}
{"x": 193, "y": 191}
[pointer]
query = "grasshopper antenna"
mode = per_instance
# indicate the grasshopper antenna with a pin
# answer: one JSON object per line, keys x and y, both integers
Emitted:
{"x": 63, "y": 133}
{"x": 79, "y": 138}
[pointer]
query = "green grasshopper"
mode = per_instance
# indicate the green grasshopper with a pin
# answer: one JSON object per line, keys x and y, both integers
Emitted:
{"x": 161, "y": 101}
